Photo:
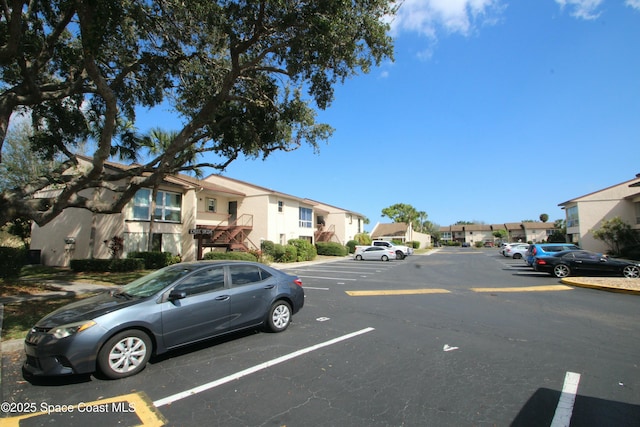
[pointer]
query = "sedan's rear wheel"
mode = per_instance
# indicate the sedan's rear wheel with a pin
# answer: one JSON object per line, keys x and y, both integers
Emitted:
{"x": 631, "y": 272}
{"x": 125, "y": 354}
{"x": 279, "y": 316}
{"x": 384, "y": 258}
{"x": 561, "y": 270}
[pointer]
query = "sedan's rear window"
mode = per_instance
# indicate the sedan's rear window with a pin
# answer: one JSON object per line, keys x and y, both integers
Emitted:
{"x": 245, "y": 274}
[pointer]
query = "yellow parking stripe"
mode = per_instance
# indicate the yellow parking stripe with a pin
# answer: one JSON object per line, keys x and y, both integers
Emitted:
{"x": 525, "y": 289}
{"x": 396, "y": 292}
{"x": 137, "y": 403}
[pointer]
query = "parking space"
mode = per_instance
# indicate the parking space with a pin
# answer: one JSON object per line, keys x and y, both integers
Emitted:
{"x": 457, "y": 342}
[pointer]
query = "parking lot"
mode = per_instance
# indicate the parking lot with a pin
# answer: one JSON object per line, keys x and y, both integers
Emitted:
{"x": 456, "y": 337}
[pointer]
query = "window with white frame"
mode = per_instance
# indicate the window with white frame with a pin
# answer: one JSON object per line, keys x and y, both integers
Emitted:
{"x": 211, "y": 205}
{"x": 168, "y": 206}
{"x": 306, "y": 218}
{"x": 280, "y": 205}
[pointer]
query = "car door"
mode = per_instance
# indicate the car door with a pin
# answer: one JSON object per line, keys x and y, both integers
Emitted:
{"x": 252, "y": 289}
{"x": 373, "y": 253}
{"x": 202, "y": 313}
{"x": 586, "y": 262}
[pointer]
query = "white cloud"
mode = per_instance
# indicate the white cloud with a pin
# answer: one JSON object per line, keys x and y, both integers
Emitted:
{"x": 584, "y": 9}
{"x": 429, "y": 17}
{"x": 633, "y": 3}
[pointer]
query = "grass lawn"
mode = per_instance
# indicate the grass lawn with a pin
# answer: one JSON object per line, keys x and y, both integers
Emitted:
{"x": 19, "y": 317}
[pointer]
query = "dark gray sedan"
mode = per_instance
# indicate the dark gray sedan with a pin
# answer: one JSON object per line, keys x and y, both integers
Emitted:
{"x": 118, "y": 331}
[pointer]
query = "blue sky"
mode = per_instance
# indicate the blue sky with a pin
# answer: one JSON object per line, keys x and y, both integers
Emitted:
{"x": 493, "y": 111}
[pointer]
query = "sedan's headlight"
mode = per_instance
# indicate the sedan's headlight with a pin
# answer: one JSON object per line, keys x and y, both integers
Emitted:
{"x": 71, "y": 329}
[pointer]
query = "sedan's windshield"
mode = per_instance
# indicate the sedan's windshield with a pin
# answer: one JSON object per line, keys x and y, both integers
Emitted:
{"x": 156, "y": 281}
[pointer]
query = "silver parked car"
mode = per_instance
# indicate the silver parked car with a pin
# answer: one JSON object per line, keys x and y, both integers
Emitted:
{"x": 375, "y": 253}
{"x": 516, "y": 251}
{"x": 118, "y": 331}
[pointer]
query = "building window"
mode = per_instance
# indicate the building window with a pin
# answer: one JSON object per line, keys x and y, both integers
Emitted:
{"x": 572, "y": 217}
{"x": 306, "y": 218}
{"x": 211, "y": 205}
{"x": 637, "y": 212}
{"x": 168, "y": 206}
{"x": 280, "y": 205}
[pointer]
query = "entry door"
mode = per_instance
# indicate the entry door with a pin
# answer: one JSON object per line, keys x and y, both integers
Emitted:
{"x": 233, "y": 212}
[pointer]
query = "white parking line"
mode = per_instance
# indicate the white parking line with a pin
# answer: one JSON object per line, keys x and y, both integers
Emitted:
{"x": 562, "y": 417}
{"x": 179, "y": 396}
{"x": 327, "y": 278}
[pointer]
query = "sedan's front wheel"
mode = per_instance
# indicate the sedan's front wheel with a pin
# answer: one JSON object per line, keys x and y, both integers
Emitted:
{"x": 561, "y": 270}
{"x": 279, "y": 316}
{"x": 384, "y": 258}
{"x": 631, "y": 272}
{"x": 125, "y": 354}
{"x": 358, "y": 257}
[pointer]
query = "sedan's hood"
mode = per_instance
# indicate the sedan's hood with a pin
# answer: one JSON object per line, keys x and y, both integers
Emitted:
{"x": 88, "y": 308}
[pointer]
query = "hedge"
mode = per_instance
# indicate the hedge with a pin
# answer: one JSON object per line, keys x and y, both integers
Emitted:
{"x": 330, "y": 249}
{"x": 103, "y": 265}
{"x": 306, "y": 251}
{"x": 241, "y": 256}
{"x": 155, "y": 260}
{"x": 11, "y": 261}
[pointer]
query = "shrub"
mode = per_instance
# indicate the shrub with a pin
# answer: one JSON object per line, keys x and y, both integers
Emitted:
{"x": 414, "y": 244}
{"x": 155, "y": 260}
{"x": 306, "y": 251}
{"x": 240, "y": 256}
{"x": 331, "y": 249}
{"x": 268, "y": 247}
{"x": 478, "y": 244}
{"x": 104, "y": 265}
{"x": 11, "y": 261}
{"x": 351, "y": 246}
{"x": 290, "y": 254}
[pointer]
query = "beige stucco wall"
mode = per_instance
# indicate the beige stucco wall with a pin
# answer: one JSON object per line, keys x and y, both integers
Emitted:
{"x": 594, "y": 208}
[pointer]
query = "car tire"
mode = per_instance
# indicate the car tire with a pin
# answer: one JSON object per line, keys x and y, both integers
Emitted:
{"x": 125, "y": 354}
{"x": 517, "y": 256}
{"x": 399, "y": 255}
{"x": 358, "y": 257}
{"x": 631, "y": 272}
{"x": 384, "y": 258}
{"x": 279, "y": 316}
{"x": 561, "y": 271}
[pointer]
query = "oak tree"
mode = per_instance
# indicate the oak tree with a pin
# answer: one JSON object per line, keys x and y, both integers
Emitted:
{"x": 242, "y": 78}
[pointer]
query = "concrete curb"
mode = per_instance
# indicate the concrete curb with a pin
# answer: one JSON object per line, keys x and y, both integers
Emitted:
{"x": 584, "y": 283}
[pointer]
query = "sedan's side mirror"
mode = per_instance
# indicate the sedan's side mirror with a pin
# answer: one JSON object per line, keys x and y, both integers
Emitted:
{"x": 176, "y": 295}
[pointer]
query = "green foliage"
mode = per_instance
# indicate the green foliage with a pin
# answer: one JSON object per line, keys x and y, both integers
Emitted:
{"x": 245, "y": 79}
{"x": 11, "y": 261}
{"x": 155, "y": 260}
{"x": 415, "y": 244}
{"x": 557, "y": 237}
{"x": 351, "y": 246}
{"x": 362, "y": 239}
{"x": 330, "y": 249}
{"x": 104, "y": 265}
{"x": 306, "y": 251}
{"x": 282, "y": 253}
{"x": 240, "y": 256}
{"x": 401, "y": 212}
{"x": 268, "y": 248}
{"x": 544, "y": 217}
{"x": 478, "y": 244}
{"x": 618, "y": 235}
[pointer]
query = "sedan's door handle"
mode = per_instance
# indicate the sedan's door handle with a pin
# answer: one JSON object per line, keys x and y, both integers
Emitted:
{"x": 578, "y": 262}
{"x": 222, "y": 298}
{"x": 270, "y": 286}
